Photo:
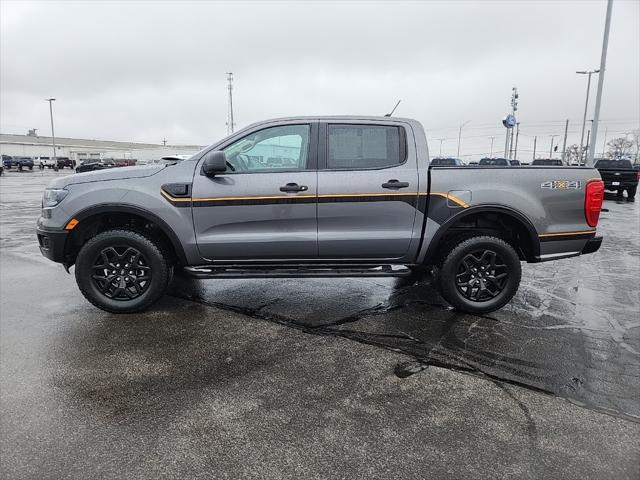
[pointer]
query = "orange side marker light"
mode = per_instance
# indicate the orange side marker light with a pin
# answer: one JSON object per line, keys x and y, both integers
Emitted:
{"x": 71, "y": 225}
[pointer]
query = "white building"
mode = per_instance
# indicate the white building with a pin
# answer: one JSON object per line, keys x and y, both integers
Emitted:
{"x": 82, "y": 149}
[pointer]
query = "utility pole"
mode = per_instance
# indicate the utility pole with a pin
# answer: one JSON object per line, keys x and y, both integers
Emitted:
{"x": 604, "y": 144}
{"x": 535, "y": 142}
{"x": 441, "y": 140}
{"x": 586, "y": 147}
{"x": 515, "y": 151}
{"x": 586, "y": 105}
{"x": 551, "y": 149}
{"x": 460, "y": 136}
{"x": 603, "y": 63}
{"x": 514, "y": 108}
{"x": 564, "y": 142}
{"x": 230, "y": 123}
{"x": 53, "y": 135}
{"x": 491, "y": 151}
{"x": 164, "y": 142}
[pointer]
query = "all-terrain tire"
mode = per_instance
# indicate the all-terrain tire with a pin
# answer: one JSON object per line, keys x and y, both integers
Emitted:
{"x": 156, "y": 263}
{"x": 456, "y": 267}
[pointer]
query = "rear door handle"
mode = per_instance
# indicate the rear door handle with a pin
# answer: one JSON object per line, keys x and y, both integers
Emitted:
{"x": 294, "y": 187}
{"x": 395, "y": 184}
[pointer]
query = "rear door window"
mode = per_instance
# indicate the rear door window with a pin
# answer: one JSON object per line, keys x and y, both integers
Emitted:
{"x": 360, "y": 147}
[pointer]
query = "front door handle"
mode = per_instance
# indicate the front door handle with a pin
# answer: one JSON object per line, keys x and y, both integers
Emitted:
{"x": 294, "y": 187}
{"x": 395, "y": 184}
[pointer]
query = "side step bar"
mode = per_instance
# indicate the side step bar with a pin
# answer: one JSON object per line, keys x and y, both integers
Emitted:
{"x": 282, "y": 271}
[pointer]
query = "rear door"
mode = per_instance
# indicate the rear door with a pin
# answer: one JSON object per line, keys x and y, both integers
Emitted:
{"x": 367, "y": 191}
{"x": 264, "y": 206}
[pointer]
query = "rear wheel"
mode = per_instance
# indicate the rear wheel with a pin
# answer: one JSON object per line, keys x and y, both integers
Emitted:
{"x": 122, "y": 271}
{"x": 479, "y": 275}
{"x": 631, "y": 192}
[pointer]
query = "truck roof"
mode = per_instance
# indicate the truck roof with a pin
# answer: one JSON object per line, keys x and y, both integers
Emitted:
{"x": 311, "y": 118}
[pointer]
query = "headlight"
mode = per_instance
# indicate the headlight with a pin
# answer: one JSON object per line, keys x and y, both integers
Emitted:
{"x": 53, "y": 197}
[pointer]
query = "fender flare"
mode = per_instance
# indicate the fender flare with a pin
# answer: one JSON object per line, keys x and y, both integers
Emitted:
{"x": 141, "y": 212}
{"x": 487, "y": 208}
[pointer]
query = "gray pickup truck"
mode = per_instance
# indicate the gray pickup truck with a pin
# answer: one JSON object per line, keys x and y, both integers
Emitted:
{"x": 317, "y": 197}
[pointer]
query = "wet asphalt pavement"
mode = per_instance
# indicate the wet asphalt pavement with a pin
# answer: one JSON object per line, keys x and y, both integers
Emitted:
{"x": 223, "y": 378}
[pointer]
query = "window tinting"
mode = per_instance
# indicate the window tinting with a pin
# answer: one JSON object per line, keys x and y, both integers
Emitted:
{"x": 364, "y": 146}
{"x": 276, "y": 149}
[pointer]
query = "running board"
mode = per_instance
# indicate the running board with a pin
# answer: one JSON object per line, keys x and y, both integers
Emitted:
{"x": 317, "y": 271}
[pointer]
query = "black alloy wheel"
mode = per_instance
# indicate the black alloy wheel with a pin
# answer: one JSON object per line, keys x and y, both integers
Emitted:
{"x": 482, "y": 275}
{"x": 121, "y": 273}
{"x": 478, "y": 275}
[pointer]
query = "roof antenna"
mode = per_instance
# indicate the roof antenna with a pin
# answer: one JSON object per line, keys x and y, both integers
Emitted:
{"x": 394, "y": 109}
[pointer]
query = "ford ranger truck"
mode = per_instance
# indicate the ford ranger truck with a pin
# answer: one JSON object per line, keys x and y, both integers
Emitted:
{"x": 317, "y": 197}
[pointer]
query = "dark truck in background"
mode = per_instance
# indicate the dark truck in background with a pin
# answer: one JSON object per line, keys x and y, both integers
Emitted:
{"x": 618, "y": 176}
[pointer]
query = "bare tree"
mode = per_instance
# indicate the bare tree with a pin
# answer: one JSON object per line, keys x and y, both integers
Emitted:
{"x": 620, "y": 148}
{"x": 573, "y": 155}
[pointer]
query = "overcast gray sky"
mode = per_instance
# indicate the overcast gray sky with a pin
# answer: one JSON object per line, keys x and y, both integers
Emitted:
{"x": 144, "y": 71}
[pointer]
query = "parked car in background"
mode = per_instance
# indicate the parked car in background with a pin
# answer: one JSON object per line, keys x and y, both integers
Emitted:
{"x": 548, "y": 162}
{"x": 51, "y": 162}
{"x": 446, "y": 162}
{"x": 514, "y": 163}
{"x": 618, "y": 176}
{"x": 10, "y": 161}
{"x": 94, "y": 164}
{"x": 494, "y": 162}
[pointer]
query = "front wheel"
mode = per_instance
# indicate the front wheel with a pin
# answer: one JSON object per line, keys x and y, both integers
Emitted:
{"x": 122, "y": 271}
{"x": 479, "y": 275}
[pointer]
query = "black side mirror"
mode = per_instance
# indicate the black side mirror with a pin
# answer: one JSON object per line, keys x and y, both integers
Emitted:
{"x": 214, "y": 162}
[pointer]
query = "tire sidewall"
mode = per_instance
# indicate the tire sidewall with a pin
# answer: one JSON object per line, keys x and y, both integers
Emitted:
{"x": 89, "y": 254}
{"x": 449, "y": 269}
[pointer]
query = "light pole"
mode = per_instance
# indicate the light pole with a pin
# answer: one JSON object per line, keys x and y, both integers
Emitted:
{"x": 603, "y": 62}
{"x": 441, "y": 140}
{"x": 53, "y": 135}
{"x": 460, "y": 136}
{"x": 586, "y": 104}
{"x": 551, "y": 149}
{"x": 491, "y": 152}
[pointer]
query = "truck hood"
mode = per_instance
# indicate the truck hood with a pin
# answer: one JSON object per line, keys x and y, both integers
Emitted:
{"x": 116, "y": 173}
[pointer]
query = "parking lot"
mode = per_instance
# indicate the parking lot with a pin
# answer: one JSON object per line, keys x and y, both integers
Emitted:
{"x": 320, "y": 378}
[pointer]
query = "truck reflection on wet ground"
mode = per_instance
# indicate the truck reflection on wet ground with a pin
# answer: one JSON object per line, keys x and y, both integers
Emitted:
{"x": 573, "y": 329}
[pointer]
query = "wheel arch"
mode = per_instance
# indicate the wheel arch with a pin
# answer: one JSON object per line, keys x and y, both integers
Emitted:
{"x": 529, "y": 251}
{"x": 95, "y": 213}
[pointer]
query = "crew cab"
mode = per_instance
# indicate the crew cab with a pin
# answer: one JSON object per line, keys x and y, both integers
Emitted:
{"x": 618, "y": 176}
{"x": 356, "y": 197}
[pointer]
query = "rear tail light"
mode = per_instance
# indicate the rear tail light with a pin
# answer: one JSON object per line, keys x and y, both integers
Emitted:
{"x": 594, "y": 194}
{"x": 638, "y": 174}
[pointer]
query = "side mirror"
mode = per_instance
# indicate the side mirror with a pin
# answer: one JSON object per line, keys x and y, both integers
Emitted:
{"x": 214, "y": 162}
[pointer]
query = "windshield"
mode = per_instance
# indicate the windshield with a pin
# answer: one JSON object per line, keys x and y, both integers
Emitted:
{"x": 619, "y": 164}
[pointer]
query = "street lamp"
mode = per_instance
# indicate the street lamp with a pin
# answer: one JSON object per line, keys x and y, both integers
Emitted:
{"x": 491, "y": 152}
{"x": 586, "y": 104}
{"x": 53, "y": 135}
{"x": 460, "y": 136}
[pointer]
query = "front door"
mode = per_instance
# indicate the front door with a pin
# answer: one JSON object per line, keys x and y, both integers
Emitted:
{"x": 367, "y": 192}
{"x": 264, "y": 206}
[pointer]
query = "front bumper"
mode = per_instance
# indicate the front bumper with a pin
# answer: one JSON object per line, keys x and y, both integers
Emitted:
{"x": 592, "y": 245}
{"x": 52, "y": 243}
